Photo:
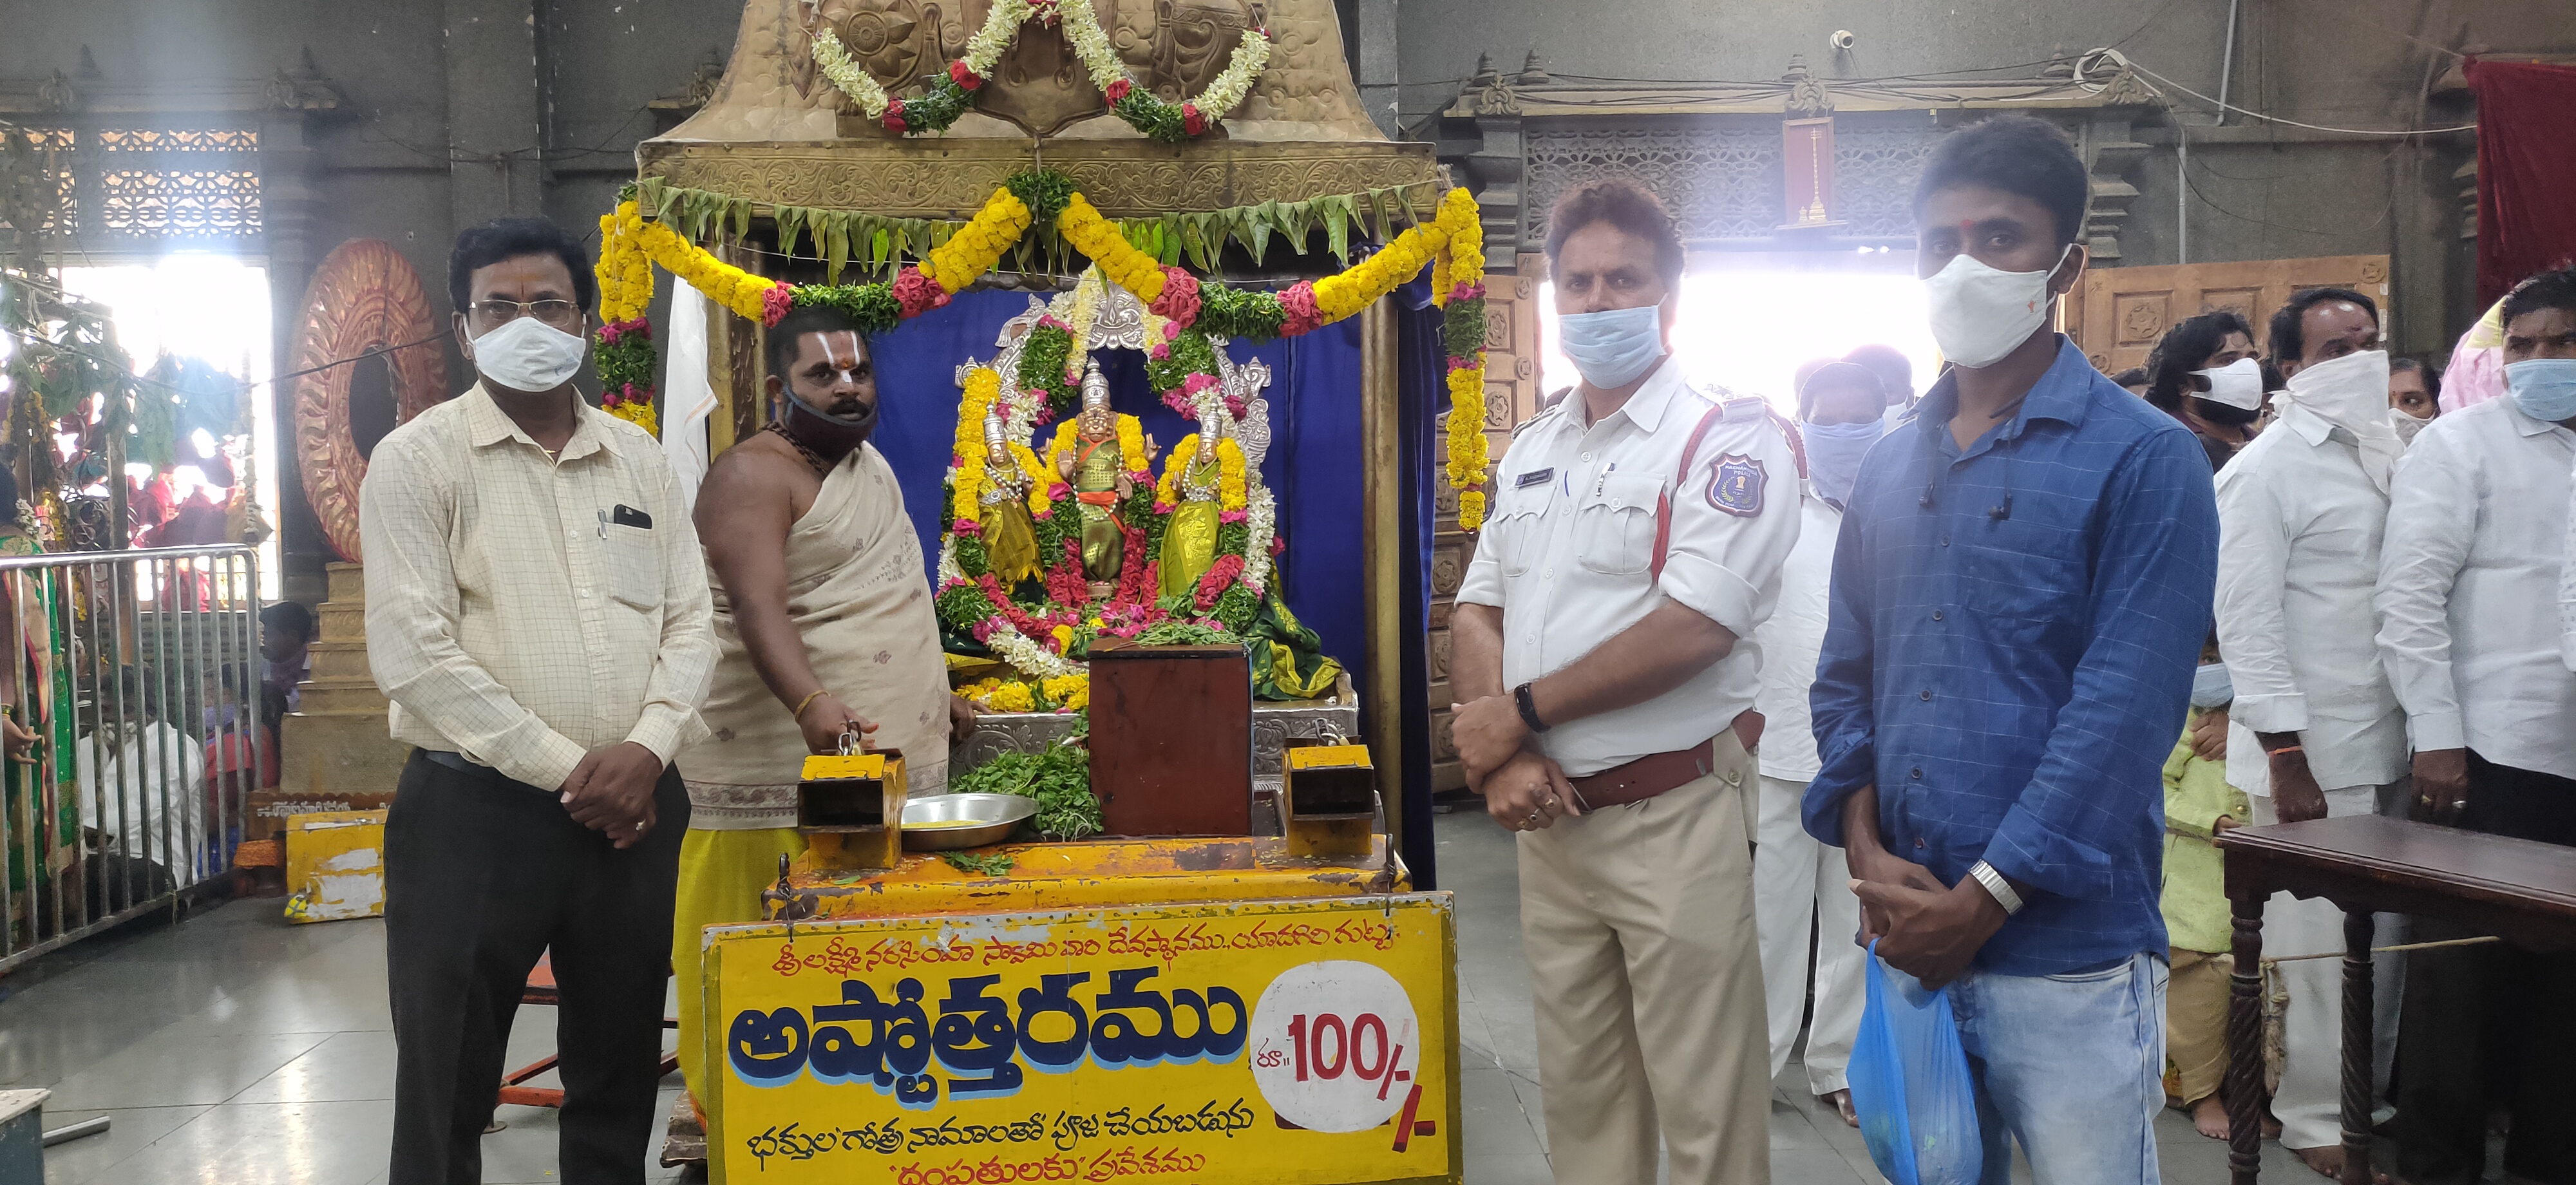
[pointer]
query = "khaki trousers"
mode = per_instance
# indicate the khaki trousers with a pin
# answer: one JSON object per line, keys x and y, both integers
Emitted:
{"x": 2196, "y": 1022}
{"x": 1646, "y": 977}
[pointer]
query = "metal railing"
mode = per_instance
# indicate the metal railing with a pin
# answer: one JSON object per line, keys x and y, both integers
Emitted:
{"x": 131, "y": 681}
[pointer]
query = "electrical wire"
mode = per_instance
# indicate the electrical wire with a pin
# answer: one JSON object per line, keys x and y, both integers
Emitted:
{"x": 2313, "y": 127}
{"x": 127, "y": 370}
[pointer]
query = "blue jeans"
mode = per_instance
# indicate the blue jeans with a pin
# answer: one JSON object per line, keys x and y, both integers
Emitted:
{"x": 2069, "y": 1066}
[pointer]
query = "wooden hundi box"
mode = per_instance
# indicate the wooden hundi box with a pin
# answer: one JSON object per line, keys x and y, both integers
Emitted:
{"x": 1171, "y": 739}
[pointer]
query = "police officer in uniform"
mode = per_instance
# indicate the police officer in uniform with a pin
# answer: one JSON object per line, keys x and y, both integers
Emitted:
{"x": 1605, "y": 673}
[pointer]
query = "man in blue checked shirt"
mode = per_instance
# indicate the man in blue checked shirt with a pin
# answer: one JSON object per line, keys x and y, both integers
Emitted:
{"x": 2020, "y": 593}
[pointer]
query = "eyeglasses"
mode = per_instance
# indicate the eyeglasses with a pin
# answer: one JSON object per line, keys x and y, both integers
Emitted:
{"x": 494, "y": 313}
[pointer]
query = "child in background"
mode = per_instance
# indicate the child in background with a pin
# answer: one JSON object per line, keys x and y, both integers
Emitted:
{"x": 2198, "y": 805}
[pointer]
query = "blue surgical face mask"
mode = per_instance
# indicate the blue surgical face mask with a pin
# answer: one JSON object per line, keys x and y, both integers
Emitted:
{"x": 1834, "y": 452}
{"x": 2544, "y": 388}
{"x": 2210, "y": 687}
{"x": 1612, "y": 348}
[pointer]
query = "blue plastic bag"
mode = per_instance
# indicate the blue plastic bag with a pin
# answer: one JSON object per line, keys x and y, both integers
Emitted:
{"x": 1910, "y": 1084}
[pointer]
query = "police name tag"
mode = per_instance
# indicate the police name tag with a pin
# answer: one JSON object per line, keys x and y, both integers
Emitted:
{"x": 1532, "y": 478}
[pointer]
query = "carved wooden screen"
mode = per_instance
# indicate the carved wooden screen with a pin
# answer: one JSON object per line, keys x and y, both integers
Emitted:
{"x": 2117, "y": 313}
{"x": 1511, "y": 396}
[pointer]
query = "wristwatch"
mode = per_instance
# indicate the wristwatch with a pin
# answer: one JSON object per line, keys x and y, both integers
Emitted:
{"x": 1996, "y": 887}
{"x": 1529, "y": 710}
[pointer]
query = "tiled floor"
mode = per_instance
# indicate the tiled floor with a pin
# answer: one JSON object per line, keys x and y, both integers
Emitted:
{"x": 236, "y": 1049}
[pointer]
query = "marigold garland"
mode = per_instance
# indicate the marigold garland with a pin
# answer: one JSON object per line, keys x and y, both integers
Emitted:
{"x": 1451, "y": 246}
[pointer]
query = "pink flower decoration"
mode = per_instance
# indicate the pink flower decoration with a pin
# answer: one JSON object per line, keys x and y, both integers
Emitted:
{"x": 1234, "y": 406}
{"x": 958, "y": 73}
{"x": 1050, "y": 321}
{"x": 1161, "y": 507}
{"x": 1277, "y": 545}
{"x": 983, "y": 630}
{"x": 1174, "y": 400}
{"x": 893, "y": 119}
{"x": 1458, "y": 292}
{"x": 1192, "y": 122}
{"x": 609, "y": 331}
{"x": 1233, "y": 516}
{"x": 1117, "y": 92}
{"x": 1298, "y": 301}
{"x": 917, "y": 292}
{"x": 967, "y": 526}
{"x": 1161, "y": 350}
{"x": 1179, "y": 301}
{"x": 775, "y": 303}
{"x": 1197, "y": 383}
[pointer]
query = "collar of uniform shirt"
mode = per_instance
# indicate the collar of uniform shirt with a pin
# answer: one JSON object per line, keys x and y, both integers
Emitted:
{"x": 1645, "y": 407}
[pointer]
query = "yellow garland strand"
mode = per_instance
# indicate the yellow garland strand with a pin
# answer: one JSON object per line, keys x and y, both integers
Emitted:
{"x": 1463, "y": 262}
{"x": 723, "y": 283}
{"x": 1229, "y": 482}
{"x": 1165, "y": 492}
{"x": 983, "y": 385}
{"x": 1040, "y": 481}
{"x": 1131, "y": 443}
{"x": 977, "y": 246}
{"x": 1098, "y": 238}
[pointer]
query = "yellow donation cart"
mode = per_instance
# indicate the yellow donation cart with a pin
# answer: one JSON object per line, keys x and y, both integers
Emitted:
{"x": 1192, "y": 1010}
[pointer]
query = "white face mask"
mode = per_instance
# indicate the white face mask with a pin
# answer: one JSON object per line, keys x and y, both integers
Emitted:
{"x": 2405, "y": 424}
{"x": 2347, "y": 390}
{"x": 1980, "y": 314}
{"x": 2238, "y": 384}
{"x": 526, "y": 354}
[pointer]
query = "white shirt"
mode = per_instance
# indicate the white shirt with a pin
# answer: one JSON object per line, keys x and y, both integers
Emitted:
{"x": 511, "y": 616}
{"x": 2299, "y": 525}
{"x": 1572, "y": 537}
{"x": 1791, "y": 642}
{"x": 2477, "y": 535}
{"x": 146, "y": 777}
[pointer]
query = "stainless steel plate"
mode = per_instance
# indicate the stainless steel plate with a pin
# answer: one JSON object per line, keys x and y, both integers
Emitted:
{"x": 947, "y": 822}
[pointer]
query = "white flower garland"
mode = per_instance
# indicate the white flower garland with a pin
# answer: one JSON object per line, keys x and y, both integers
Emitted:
{"x": 1230, "y": 87}
{"x": 1090, "y": 42}
{"x": 1260, "y": 519}
{"x": 846, "y": 76}
{"x": 1031, "y": 659}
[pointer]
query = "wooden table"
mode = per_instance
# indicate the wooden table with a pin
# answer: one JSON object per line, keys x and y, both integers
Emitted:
{"x": 2522, "y": 891}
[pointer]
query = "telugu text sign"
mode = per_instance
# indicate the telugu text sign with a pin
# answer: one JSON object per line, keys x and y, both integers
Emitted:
{"x": 1301, "y": 1042}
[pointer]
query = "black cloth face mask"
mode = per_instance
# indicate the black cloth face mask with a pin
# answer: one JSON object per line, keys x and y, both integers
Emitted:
{"x": 831, "y": 436}
{"x": 2223, "y": 414}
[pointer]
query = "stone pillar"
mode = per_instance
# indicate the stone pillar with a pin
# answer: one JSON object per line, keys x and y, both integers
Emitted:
{"x": 336, "y": 740}
{"x": 494, "y": 113}
{"x": 1374, "y": 33}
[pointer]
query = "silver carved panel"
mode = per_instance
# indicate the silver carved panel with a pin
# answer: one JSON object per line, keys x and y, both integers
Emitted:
{"x": 1725, "y": 182}
{"x": 1720, "y": 183}
{"x": 1874, "y": 174}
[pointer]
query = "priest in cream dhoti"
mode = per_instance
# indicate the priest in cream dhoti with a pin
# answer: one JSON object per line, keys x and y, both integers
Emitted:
{"x": 824, "y": 623}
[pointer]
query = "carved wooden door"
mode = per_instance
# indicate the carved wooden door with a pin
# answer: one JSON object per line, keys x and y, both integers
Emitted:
{"x": 2117, "y": 313}
{"x": 1511, "y": 396}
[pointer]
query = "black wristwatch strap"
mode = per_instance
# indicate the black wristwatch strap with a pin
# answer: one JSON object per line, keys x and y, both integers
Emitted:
{"x": 1529, "y": 710}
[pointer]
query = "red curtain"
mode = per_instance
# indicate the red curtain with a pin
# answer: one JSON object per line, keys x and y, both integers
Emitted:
{"x": 2526, "y": 171}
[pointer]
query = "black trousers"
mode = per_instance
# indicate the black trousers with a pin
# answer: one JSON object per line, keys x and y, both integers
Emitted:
{"x": 482, "y": 876}
{"x": 2491, "y": 1024}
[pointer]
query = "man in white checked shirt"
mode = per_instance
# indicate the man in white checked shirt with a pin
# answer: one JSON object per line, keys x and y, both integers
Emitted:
{"x": 538, "y": 613}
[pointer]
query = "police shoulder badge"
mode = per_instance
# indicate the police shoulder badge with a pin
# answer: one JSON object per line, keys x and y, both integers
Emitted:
{"x": 1736, "y": 487}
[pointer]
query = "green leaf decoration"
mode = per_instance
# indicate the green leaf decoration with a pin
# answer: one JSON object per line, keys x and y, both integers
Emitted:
{"x": 1337, "y": 226}
{"x": 836, "y": 249}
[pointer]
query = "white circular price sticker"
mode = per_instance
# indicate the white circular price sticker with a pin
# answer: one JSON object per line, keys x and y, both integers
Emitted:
{"x": 1334, "y": 1046}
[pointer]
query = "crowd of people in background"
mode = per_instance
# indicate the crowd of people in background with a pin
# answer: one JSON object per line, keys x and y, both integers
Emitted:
{"x": 2381, "y": 643}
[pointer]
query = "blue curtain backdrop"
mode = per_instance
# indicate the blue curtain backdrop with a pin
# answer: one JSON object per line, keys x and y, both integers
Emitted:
{"x": 1313, "y": 468}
